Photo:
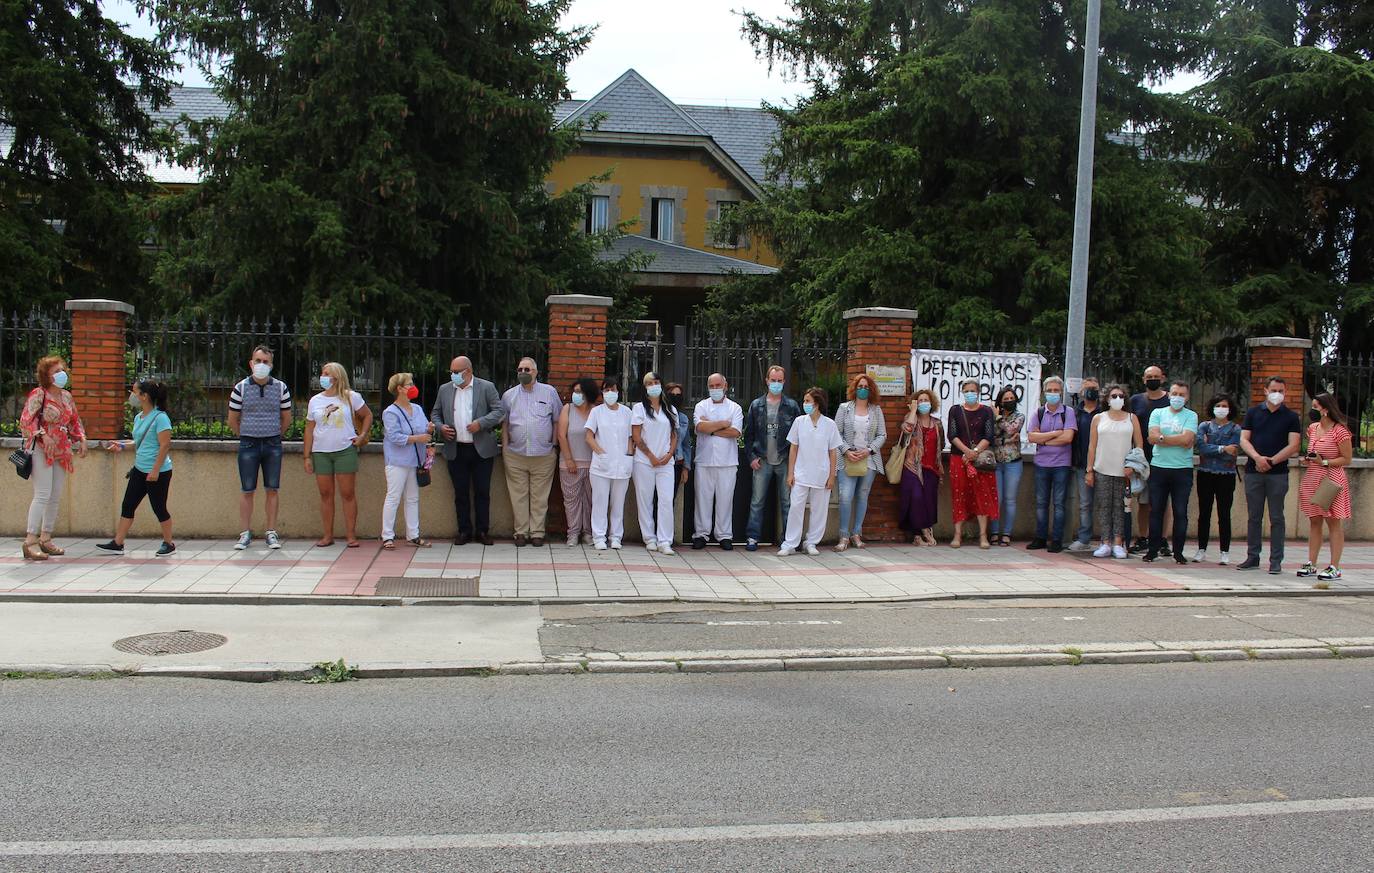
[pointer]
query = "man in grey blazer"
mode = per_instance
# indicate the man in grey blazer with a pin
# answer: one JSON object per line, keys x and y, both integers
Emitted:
{"x": 466, "y": 413}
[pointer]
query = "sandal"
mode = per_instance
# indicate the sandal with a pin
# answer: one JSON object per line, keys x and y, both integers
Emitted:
{"x": 420, "y": 543}
{"x": 352, "y": 544}
{"x": 33, "y": 553}
{"x": 389, "y": 545}
{"x": 320, "y": 544}
{"x": 49, "y": 548}
{"x": 842, "y": 544}
{"x": 928, "y": 537}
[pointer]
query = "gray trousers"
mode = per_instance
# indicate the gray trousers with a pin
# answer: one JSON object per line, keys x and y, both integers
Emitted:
{"x": 1261, "y": 487}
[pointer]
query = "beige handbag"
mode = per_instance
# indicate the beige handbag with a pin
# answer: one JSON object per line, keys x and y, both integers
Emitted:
{"x": 1326, "y": 494}
{"x": 897, "y": 460}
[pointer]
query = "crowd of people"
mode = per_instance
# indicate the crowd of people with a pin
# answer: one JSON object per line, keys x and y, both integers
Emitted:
{"x": 1124, "y": 453}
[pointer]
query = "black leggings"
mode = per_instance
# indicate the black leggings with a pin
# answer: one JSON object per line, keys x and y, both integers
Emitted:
{"x": 156, "y": 492}
{"x": 1221, "y": 486}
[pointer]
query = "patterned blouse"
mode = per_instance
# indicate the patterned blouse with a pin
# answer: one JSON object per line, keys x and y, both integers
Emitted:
{"x": 1007, "y": 444}
{"x": 61, "y": 425}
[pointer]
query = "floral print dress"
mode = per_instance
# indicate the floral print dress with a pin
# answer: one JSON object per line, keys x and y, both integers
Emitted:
{"x": 61, "y": 425}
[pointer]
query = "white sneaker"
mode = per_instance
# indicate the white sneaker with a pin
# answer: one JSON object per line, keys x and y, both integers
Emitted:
{"x": 615, "y": 544}
{"x": 1119, "y": 552}
{"x": 785, "y": 552}
{"x": 1225, "y": 559}
{"x": 273, "y": 541}
{"x": 1077, "y": 546}
{"x": 812, "y": 550}
{"x": 600, "y": 545}
{"x": 651, "y": 545}
{"x": 244, "y": 539}
{"x": 1103, "y": 551}
{"x": 573, "y": 542}
{"x": 665, "y": 549}
{"x": 1199, "y": 556}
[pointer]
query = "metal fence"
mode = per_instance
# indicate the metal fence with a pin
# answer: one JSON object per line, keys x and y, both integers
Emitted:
{"x": 23, "y": 340}
{"x": 202, "y": 361}
{"x": 1350, "y": 379}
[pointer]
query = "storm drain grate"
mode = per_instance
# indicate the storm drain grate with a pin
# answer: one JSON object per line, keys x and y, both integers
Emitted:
{"x": 426, "y": 586}
{"x": 182, "y": 642}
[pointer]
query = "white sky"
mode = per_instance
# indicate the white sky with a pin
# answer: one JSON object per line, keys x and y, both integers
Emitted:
{"x": 691, "y": 51}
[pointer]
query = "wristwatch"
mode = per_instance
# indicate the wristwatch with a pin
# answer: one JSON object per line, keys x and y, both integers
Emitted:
{"x": 1325, "y": 462}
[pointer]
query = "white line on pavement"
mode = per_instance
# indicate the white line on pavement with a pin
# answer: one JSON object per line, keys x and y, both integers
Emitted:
{"x": 715, "y": 833}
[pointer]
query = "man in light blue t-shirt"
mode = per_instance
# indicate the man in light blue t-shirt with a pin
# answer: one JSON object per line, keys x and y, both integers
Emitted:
{"x": 1171, "y": 433}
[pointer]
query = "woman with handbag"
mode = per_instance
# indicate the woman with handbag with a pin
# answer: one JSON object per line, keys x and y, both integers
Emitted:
{"x": 336, "y": 426}
{"x": 52, "y": 429}
{"x": 1006, "y": 447}
{"x": 405, "y": 427}
{"x": 922, "y": 468}
{"x": 972, "y": 465}
{"x": 863, "y": 433}
{"x": 151, "y": 473}
{"x": 1324, "y": 495}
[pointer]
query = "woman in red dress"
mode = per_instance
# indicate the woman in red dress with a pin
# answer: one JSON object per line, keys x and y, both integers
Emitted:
{"x": 1329, "y": 450}
{"x": 974, "y": 491}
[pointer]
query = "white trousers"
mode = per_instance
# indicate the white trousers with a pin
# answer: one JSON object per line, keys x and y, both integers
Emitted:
{"x": 649, "y": 479}
{"x": 715, "y": 486}
{"x": 608, "y": 507}
{"x": 400, "y": 483}
{"x": 47, "y": 492}
{"x": 818, "y": 500}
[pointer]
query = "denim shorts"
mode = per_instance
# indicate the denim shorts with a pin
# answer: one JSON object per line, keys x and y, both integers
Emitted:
{"x": 259, "y": 453}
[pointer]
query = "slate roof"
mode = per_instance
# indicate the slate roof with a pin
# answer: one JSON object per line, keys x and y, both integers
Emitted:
{"x": 673, "y": 258}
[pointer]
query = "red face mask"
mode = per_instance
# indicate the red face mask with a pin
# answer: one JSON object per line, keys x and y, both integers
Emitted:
{"x": 412, "y": 392}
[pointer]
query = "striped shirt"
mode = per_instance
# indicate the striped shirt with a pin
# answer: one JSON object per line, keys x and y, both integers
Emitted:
{"x": 260, "y": 407}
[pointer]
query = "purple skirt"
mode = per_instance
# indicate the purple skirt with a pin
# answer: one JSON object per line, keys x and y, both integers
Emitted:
{"x": 920, "y": 499}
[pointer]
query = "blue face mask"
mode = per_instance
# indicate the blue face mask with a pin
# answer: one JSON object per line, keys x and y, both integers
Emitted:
{"x": 326, "y": 382}
{"x": 1052, "y": 398}
{"x": 611, "y": 397}
{"x": 654, "y": 390}
{"x": 578, "y": 399}
{"x": 970, "y": 397}
{"x": 923, "y": 407}
{"x": 861, "y": 393}
{"x": 60, "y": 378}
{"x": 1176, "y": 402}
{"x": 774, "y": 387}
{"x": 717, "y": 394}
{"x": 456, "y": 378}
{"x": 808, "y": 408}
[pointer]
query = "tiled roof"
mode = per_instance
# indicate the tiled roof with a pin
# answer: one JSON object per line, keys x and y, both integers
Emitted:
{"x": 673, "y": 258}
{"x": 745, "y": 134}
{"x": 631, "y": 105}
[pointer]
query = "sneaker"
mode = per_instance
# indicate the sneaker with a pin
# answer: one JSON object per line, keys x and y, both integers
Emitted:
{"x": 165, "y": 549}
{"x": 1224, "y": 559}
{"x": 1165, "y": 551}
{"x": 665, "y": 549}
{"x": 1150, "y": 556}
{"x": 1139, "y": 546}
{"x": 573, "y": 542}
{"x": 1036, "y": 543}
{"x": 1077, "y": 546}
{"x": 727, "y": 545}
{"x": 1103, "y": 551}
{"x": 1120, "y": 553}
{"x": 1308, "y": 569}
{"x": 111, "y": 546}
{"x": 698, "y": 543}
{"x": 244, "y": 539}
{"x": 600, "y": 545}
{"x": 751, "y": 546}
{"x": 1331, "y": 572}
{"x": 785, "y": 552}
{"x": 812, "y": 550}
{"x": 1201, "y": 555}
{"x": 1248, "y": 564}
{"x": 273, "y": 541}
{"x": 651, "y": 545}
{"x": 615, "y": 544}
{"x": 1055, "y": 547}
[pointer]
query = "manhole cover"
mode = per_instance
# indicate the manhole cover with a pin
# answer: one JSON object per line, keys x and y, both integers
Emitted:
{"x": 426, "y": 586}
{"x": 180, "y": 642}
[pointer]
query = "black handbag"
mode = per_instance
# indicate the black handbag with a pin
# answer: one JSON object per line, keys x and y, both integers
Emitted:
{"x": 22, "y": 458}
{"x": 421, "y": 474}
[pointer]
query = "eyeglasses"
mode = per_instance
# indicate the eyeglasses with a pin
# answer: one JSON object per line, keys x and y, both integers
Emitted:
{"x": 524, "y": 370}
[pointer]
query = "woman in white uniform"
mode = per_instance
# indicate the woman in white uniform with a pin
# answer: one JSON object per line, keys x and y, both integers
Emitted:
{"x": 654, "y": 429}
{"x": 609, "y": 436}
{"x": 811, "y": 461}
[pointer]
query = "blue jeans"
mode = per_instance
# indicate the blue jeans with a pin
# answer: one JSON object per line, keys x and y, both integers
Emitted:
{"x": 259, "y": 453}
{"x": 1085, "y": 506}
{"x": 1049, "y": 479}
{"x": 1008, "y": 482}
{"x": 853, "y": 500}
{"x": 758, "y": 496}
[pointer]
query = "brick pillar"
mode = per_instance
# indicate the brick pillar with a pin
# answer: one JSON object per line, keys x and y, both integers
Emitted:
{"x": 882, "y": 336}
{"x": 577, "y": 349}
{"x": 1282, "y": 356}
{"x": 99, "y": 382}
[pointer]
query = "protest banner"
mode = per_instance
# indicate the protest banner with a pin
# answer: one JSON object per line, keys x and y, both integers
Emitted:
{"x": 943, "y": 369}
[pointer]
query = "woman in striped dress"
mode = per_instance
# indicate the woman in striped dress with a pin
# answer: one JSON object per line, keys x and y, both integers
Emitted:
{"x": 1329, "y": 450}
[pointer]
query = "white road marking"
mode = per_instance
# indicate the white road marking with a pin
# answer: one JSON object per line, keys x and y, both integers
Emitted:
{"x": 760, "y": 623}
{"x": 1075, "y": 618}
{"x": 1254, "y": 615}
{"x": 658, "y": 836}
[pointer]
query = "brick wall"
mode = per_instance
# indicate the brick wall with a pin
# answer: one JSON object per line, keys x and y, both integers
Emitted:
{"x": 882, "y": 337}
{"x": 99, "y": 383}
{"x": 577, "y": 349}
{"x": 1285, "y": 357}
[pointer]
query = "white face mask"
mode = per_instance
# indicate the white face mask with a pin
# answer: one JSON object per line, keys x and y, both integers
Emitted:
{"x": 717, "y": 394}
{"x": 1276, "y": 398}
{"x": 1117, "y": 403}
{"x": 262, "y": 371}
{"x": 611, "y": 397}
{"x": 134, "y": 401}
{"x": 1220, "y": 411}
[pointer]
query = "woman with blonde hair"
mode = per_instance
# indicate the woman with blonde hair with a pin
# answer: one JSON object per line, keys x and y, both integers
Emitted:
{"x": 337, "y": 424}
{"x": 863, "y": 432}
{"x": 405, "y": 428}
{"x": 922, "y": 468}
{"x": 51, "y": 427}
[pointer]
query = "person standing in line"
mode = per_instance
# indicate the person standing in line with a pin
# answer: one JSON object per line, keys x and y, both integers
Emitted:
{"x": 405, "y": 430}
{"x": 1269, "y": 436}
{"x": 684, "y": 457}
{"x": 1006, "y": 446}
{"x": 815, "y": 447}
{"x": 1218, "y": 444}
{"x": 1113, "y": 435}
{"x": 1330, "y": 448}
{"x": 577, "y": 459}
{"x": 1088, "y": 408}
{"x": 151, "y": 473}
{"x": 466, "y": 412}
{"x": 1052, "y": 429}
{"x": 864, "y": 433}
{"x": 337, "y": 423}
{"x": 1173, "y": 432}
{"x": 527, "y": 443}
{"x": 765, "y": 436}
{"x": 973, "y": 491}
{"x": 51, "y": 426}
{"x": 719, "y": 421}
{"x": 259, "y": 413}
{"x": 922, "y": 468}
{"x": 653, "y": 425}
{"x": 1155, "y": 396}
{"x": 609, "y": 434}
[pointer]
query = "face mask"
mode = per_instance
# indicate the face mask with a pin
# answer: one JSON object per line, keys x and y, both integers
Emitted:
{"x": 1276, "y": 398}
{"x": 326, "y": 382}
{"x": 456, "y": 378}
{"x": 1176, "y": 402}
{"x": 611, "y": 397}
{"x": 970, "y": 397}
{"x": 134, "y": 401}
{"x": 1314, "y": 416}
{"x": 525, "y": 378}
{"x": 861, "y": 393}
{"x": 412, "y": 392}
{"x": 60, "y": 379}
{"x": 262, "y": 371}
{"x": 1220, "y": 411}
{"x": 1052, "y": 398}
{"x": 675, "y": 399}
{"x": 1116, "y": 403}
{"x": 654, "y": 390}
{"x": 578, "y": 399}
{"x": 1091, "y": 394}
{"x": 717, "y": 394}
{"x": 775, "y": 388}
{"x": 923, "y": 407}
{"x": 1009, "y": 406}
{"x": 1153, "y": 384}
{"x": 808, "y": 408}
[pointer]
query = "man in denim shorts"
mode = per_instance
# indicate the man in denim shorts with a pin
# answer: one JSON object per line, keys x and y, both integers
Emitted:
{"x": 259, "y": 413}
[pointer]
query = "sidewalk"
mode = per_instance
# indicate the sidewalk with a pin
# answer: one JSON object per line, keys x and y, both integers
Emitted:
{"x": 880, "y": 572}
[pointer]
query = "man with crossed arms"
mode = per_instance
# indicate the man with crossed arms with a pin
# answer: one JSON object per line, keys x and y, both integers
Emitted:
{"x": 718, "y": 421}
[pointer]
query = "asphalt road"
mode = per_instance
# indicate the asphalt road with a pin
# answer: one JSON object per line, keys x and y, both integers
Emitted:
{"x": 1098, "y": 770}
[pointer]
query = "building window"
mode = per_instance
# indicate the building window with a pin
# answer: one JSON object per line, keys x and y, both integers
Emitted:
{"x": 725, "y": 238}
{"x": 661, "y": 219}
{"x": 598, "y": 218}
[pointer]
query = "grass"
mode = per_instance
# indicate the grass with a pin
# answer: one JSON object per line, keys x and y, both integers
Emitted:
{"x": 328, "y": 672}
{"x": 1075, "y": 653}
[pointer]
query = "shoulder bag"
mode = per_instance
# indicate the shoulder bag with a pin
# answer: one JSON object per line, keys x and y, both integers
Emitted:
{"x": 421, "y": 472}
{"x": 22, "y": 458}
{"x": 896, "y": 461}
{"x": 1326, "y": 494}
{"x": 859, "y": 469}
{"x": 986, "y": 460}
